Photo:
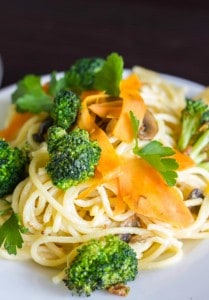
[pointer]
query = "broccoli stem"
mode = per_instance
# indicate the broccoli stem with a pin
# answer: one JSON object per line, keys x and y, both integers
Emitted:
{"x": 189, "y": 127}
{"x": 193, "y": 116}
{"x": 200, "y": 144}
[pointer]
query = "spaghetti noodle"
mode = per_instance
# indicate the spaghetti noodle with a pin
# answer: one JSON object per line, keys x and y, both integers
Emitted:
{"x": 60, "y": 221}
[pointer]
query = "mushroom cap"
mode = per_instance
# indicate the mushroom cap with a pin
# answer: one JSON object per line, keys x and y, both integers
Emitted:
{"x": 149, "y": 127}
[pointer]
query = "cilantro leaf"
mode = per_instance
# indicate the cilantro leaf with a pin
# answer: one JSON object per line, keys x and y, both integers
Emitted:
{"x": 100, "y": 74}
{"x": 135, "y": 125}
{"x": 74, "y": 81}
{"x": 30, "y": 96}
{"x": 109, "y": 77}
{"x": 170, "y": 177}
{"x": 155, "y": 148}
{"x": 55, "y": 84}
{"x": 156, "y": 155}
{"x": 10, "y": 234}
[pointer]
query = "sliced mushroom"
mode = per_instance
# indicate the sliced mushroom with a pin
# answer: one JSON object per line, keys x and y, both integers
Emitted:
{"x": 132, "y": 221}
{"x": 39, "y": 136}
{"x": 135, "y": 239}
{"x": 119, "y": 289}
{"x": 196, "y": 193}
{"x": 149, "y": 127}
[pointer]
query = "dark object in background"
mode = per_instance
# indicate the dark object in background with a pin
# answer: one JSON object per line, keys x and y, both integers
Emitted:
{"x": 42, "y": 36}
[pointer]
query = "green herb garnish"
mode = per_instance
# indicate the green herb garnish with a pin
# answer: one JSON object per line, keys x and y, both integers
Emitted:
{"x": 30, "y": 96}
{"x": 156, "y": 155}
{"x": 109, "y": 77}
{"x": 10, "y": 234}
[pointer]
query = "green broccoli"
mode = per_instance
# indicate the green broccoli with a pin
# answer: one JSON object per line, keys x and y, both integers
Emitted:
{"x": 72, "y": 156}
{"x": 63, "y": 113}
{"x": 82, "y": 73}
{"x": 13, "y": 162}
{"x": 199, "y": 149}
{"x": 30, "y": 97}
{"x": 65, "y": 108}
{"x": 191, "y": 117}
{"x": 194, "y": 135}
{"x": 101, "y": 264}
{"x": 85, "y": 74}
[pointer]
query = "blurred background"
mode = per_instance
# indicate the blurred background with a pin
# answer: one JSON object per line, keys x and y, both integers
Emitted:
{"x": 41, "y": 36}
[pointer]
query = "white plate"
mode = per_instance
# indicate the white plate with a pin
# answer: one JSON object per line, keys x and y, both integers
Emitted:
{"x": 187, "y": 280}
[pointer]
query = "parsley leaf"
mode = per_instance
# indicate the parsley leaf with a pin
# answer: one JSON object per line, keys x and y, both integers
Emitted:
{"x": 10, "y": 234}
{"x": 30, "y": 96}
{"x": 156, "y": 155}
{"x": 56, "y": 84}
{"x": 109, "y": 77}
{"x": 154, "y": 148}
{"x": 135, "y": 125}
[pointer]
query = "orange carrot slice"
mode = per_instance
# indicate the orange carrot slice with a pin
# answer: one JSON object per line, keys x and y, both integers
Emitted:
{"x": 109, "y": 160}
{"x": 109, "y": 109}
{"x": 130, "y": 86}
{"x": 132, "y": 101}
{"x": 184, "y": 161}
{"x": 17, "y": 121}
{"x": 143, "y": 189}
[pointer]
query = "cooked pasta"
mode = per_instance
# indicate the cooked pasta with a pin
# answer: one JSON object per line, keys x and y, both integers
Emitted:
{"x": 59, "y": 221}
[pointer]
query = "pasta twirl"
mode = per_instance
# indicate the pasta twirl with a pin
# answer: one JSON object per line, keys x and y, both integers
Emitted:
{"x": 59, "y": 221}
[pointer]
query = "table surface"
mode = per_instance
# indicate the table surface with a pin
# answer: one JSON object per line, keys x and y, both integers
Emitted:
{"x": 42, "y": 36}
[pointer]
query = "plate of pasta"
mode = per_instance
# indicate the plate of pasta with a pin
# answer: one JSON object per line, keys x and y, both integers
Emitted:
{"x": 104, "y": 185}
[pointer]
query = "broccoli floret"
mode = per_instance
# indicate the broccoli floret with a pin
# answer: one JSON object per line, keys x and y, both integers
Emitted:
{"x": 101, "y": 264}
{"x": 198, "y": 150}
{"x": 54, "y": 135}
{"x": 195, "y": 130}
{"x": 82, "y": 73}
{"x": 72, "y": 156}
{"x": 63, "y": 113}
{"x": 13, "y": 163}
{"x": 65, "y": 109}
{"x": 31, "y": 97}
{"x": 191, "y": 119}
